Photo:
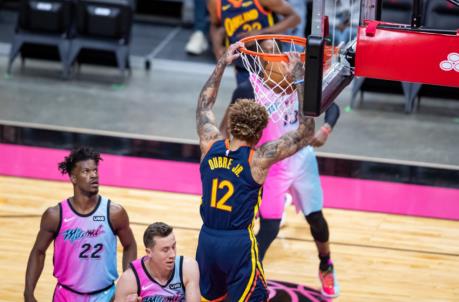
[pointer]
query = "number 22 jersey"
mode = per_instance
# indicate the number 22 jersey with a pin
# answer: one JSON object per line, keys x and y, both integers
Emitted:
{"x": 85, "y": 249}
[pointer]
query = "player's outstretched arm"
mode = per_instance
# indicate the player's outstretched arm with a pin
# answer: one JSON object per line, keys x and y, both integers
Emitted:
{"x": 126, "y": 288}
{"x": 48, "y": 227}
{"x": 191, "y": 280}
{"x": 205, "y": 119}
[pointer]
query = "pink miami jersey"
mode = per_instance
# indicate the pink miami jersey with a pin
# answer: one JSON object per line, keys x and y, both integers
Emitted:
{"x": 85, "y": 249}
{"x": 289, "y": 122}
{"x": 265, "y": 97}
{"x": 151, "y": 291}
{"x": 297, "y": 174}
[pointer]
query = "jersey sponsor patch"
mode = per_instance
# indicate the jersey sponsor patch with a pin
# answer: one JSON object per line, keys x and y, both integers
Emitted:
{"x": 175, "y": 285}
{"x": 98, "y": 218}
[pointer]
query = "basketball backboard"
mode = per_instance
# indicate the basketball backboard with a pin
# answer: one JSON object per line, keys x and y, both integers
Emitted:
{"x": 334, "y": 24}
{"x": 328, "y": 55}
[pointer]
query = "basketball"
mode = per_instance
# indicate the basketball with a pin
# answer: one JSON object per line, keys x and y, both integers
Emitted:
{"x": 274, "y": 77}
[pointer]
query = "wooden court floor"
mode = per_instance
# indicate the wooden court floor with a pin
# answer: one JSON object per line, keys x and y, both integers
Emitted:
{"x": 378, "y": 257}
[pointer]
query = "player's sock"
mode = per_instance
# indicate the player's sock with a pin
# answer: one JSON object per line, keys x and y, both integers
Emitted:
{"x": 325, "y": 262}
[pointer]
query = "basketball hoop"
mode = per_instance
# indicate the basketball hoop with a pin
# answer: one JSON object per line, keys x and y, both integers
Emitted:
{"x": 294, "y": 44}
{"x": 263, "y": 58}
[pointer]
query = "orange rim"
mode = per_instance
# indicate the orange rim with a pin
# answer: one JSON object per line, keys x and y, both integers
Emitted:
{"x": 273, "y": 57}
{"x": 278, "y": 57}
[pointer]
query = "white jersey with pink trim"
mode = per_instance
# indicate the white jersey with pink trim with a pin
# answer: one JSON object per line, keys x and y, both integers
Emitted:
{"x": 297, "y": 174}
{"x": 276, "y": 128}
{"x": 151, "y": 291}
{"x": 266, "y": 96}
{"x": 85, "y": 249}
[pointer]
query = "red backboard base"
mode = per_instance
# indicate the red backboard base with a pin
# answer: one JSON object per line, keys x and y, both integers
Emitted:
{"x": 409, "y": 56}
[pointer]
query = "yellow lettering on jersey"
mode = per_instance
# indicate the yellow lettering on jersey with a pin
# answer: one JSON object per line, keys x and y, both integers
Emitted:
{"x": 237, "y": 170}
{"x": 232, "y": 24}
{"x": 220, "y": 162}
{"x": 230, "y": 162}
{"x": 211, "y": 164}
{"x": 215, "y": 162}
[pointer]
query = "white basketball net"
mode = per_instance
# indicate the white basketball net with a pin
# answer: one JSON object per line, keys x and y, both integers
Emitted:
{"x": 277, "y": 96}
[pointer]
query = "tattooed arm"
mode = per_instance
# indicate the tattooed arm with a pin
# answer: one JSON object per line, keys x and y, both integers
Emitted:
{"x": 288, "y": 144}
{"x": 205, "y": 119}
{"x": 275, "y": 151}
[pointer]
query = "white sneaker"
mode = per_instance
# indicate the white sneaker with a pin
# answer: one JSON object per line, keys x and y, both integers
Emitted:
{"x": 197, "y": 43}
{"x": 287, "y": 202}
{"x": 283, "y": 221}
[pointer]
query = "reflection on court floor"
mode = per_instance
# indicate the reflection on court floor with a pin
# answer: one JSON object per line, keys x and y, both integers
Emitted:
{"x": 290, "y": 292}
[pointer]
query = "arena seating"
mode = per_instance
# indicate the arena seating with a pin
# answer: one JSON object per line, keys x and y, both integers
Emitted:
{"x": 103, "y": 28}
{"x": 41, "y": 29}
{"x": 82, "y": 31}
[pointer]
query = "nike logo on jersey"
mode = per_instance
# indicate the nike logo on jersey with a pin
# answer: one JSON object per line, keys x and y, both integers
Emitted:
{"x": 226, "y": 7}
{"x": 147, "y": 287}
{"x": 69, "y": 219}
{"x": 245, "y": 4}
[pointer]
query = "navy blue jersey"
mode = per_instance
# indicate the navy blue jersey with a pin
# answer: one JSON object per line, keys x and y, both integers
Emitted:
{"x": 230, "y": 195}
{"x": 242, "y": 16}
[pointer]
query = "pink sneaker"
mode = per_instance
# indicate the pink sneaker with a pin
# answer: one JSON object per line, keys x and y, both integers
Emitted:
{"x": 330, "y": 287}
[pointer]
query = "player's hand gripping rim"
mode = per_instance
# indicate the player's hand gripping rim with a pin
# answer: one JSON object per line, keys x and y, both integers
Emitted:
{"x": 294, "y": 67}
{"x": 232, "y": 52}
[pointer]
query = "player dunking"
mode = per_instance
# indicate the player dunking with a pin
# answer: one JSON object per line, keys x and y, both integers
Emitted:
{"x": 84, "y": 229}
{"x": 232, "y": 174}
{"x": 161, "y": 275}
{"x": 297, "y": 175}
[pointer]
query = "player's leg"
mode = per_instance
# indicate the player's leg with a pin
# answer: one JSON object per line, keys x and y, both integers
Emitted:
{"x": 307, "y": 195}
{"x": 245, "y": 278}
{"x": 272, "y": 207}
{"x": 269, "y": 229}
{"x": 212, "y": 281}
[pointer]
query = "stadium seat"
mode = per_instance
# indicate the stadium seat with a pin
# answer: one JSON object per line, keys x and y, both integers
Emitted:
{"x": 42, "y": 31}
{"x": 103, "y": 33}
